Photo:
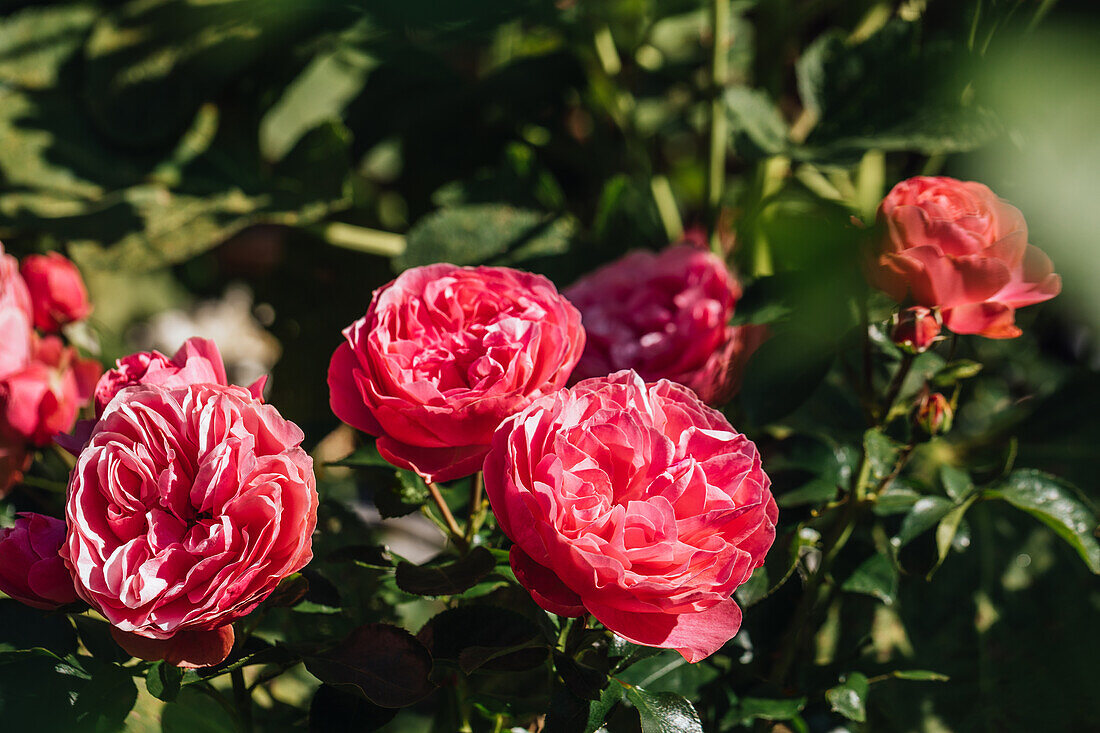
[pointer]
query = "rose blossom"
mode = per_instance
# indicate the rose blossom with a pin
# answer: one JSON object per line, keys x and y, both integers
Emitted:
{"x": 197, "y": 361}
{"x": 15, "y": 316}
{"x": 186, "y": 508}
{"x": 42, "y": 398}
{"x": 58, "y": 294}
{"x": 666, "y": 315}
{"x": 31, "y": 571}
{"x": 955, "y": 246}
{"x": 444, "y": 354}
{"x": 13, "y": 289}
{"x": 915, "y": 329}
{"x": 636, "y": 503}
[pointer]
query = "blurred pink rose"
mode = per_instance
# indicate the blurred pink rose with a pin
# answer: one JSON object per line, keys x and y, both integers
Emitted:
{"x": 444, "y": 354}
{"x": 198, "y": 361}
{"x": 636, "y": 503}
{"x": 58, "y": 295}
{"x": 666, "y": 316}
{"x": 955, "y": 246}
{"x": 186, "y": 508}
{"x": 31, "y": 570}
{"x": 42, "y": 398}
{"x": 13, "y": 290}
{"x": 14, "y": 461}
{"x": 15, "y": 316}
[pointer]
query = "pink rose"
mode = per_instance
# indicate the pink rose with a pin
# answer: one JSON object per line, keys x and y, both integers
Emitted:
{"x": 42, "y": 399}
{"x": 955, "y": 246}
{"x": 186, "y": 508}
{"x": 31, "y": 571}
{"x": 636, "y": 503}
{"x": 198, "y": 361}
{"x": 13, "y": 290}
{"x": 444, "y": 354}
{"x": 666, "y": 316}
{"x": 58, "y": 295}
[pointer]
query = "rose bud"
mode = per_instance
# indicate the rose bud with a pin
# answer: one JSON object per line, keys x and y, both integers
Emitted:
{"x": 42, "y": 399}
{"x": 934, "y": 414}
{"x": 58, "y": 295}
{"x": 31, "y": 570}
{"x": 636, "y": 503}
{"x": 915, "y": 329}
{"x": 198, "y": 361}
{"x": 666, "y": 316}
{"x": 444, "y": 355}
{"x": 185, "y": 510}
{"x": 955, "y": 246}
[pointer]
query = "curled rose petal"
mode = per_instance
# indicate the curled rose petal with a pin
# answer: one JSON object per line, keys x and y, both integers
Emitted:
{"x": 189, "y": 649}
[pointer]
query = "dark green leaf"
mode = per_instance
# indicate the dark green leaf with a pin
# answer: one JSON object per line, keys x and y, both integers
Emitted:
{"x": 628, "y": 653}
{"x": 757, "y": 124}
{"x": 23, "y": 627}
{"x": 664, "y": 712}
{"x": 751, "y": 708}
{"x": 446, "y": 577}
{"x": 1053, "y": 502}
{"x": 876, "y": 576}
{"x": 920, "y": 675}
{"x": 386, "y": 664}
{"x": 335, "y": 711}
{"x": 956, "y": 371}
{"x": 163, "y": 681}
{"x": 196, "y": 712}
{"x": 946, "y": 532}
{"x": 925, "y": 514}
{"x": 399, "y": 493}
{"x": 956, "y": 482}
{"x": 517, "y": 657}
{"x": 290, "y": 591}
{"x": 753, "y": 589}
{"x": 896, "y": 499}
{"x": 583, "y": 681}
{"x": 669, "y": 671}
{"x": 598, "y": 710}
{"x": 849, "y": 698}
{"x": 105, "y": 701}
{"x": 484, "y": 234}
{"x": 817, "y": 491}
{"x": 882, "y": 453}
{"x": 627, "y": 213}
{"x": 480, "y": 636}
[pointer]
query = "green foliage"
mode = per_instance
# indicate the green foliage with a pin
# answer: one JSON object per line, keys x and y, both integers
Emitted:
{"x": 849, "y": 698}
{"x": 385, "y": 664}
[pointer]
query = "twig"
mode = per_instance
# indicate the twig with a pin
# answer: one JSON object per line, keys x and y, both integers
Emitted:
{"x": 452, "y": 526}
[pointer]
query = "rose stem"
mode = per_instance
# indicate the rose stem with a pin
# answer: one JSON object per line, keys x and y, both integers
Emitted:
{"x": 472, "y": 522}
{"x": 243, "y": 698}
{"x": 719, "y": 77}
{"x": 895, "y": 387}
{"x": 452, "y": 525}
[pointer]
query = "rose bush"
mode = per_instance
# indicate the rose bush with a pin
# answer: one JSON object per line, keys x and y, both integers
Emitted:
{"x": 31, "y": 570}
{"x": 444, "y": 354}
{"x": 57, "y": 291}
{"x": 186, "y": 508}
{"x": 666, "y": 316}
{"x": 636, "y": 503}
{"x": 954, "y": 245}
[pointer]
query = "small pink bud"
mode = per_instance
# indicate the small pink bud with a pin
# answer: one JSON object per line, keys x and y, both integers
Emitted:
{"x": 934, "y": 413}
{"x": 916, "y": 329}
{"x": 58, "y": 295}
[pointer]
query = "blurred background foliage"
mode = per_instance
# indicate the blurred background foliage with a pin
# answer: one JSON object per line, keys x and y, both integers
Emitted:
{"x": 250, "y": 170}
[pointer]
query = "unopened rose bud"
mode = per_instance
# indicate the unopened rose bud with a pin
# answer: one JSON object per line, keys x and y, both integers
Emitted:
{"x": 58, "y": 295}
{"x": 916, "y": 329}
{"x": 934, "y": 414}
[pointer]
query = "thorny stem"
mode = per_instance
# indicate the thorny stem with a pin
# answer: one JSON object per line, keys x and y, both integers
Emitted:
{"x": 719, "y": 73}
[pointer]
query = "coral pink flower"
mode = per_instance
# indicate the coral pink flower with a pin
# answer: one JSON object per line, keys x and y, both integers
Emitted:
{"x": 636, "y": 503}
{"x": 13, "y": 290}
{"x": 31, "y": 570}
{"x": 15, "y": 316}
{"x": 42, "y": 398}
{"x": 666, "y": 316}
{"x": 58, "y": 295}
{"x": 198, "y": 361}
{"x": 186, "y": 508}
{"x": 955, "y": 246}
{"x": 444, "y": 354}
{"x": 916, "y": 329}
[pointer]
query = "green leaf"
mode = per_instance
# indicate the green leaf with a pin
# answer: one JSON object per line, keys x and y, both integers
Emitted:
{"x": 919, "y": 675}
{"x": 627, "y": 212}
{"x": 882, "y": 453}
{"x": 956, "y": 371}
{"x": 598, "y": 710}
{"x": 757, "y": 124}
{"x": 583, "y": 681}
{"x": 35, "y": 41}
{"x": 946, "y": 531}
{"x": 850, "y": 697}
{"x": 752, "y": 708}
{"x": 107, "y": 699}
{"x": 816, "y": 491}
{"x": 196, "y": 712}
{"x": 484, "y": 234}
{"x": 753, "y": 589}
{"x": 670, "y": 672}
{"x": 925, "y": 514}
{"x": 484, "y": 637}
{"x": 1054, "y": 502}
{"x": 163, "y": 681}
{"x": 628, "y": 653}
{"x": 386, "y": 664}
{"x": 399, "y": 493}
{"x": 446, "y": 577}
{"x": 366, "y": 455}
{"x": 876, "y": 576}
{"x": 664, "y": 712}
{"x": 956, "y": 482}
{"x": 23, "y": 627}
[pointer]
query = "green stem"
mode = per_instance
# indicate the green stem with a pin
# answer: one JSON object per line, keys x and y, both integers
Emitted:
{"x": 895, "y": 387}
{"x": 453, "y": 529}
{"x": 473, "y": 520}
{"x": 719, "y": 76}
